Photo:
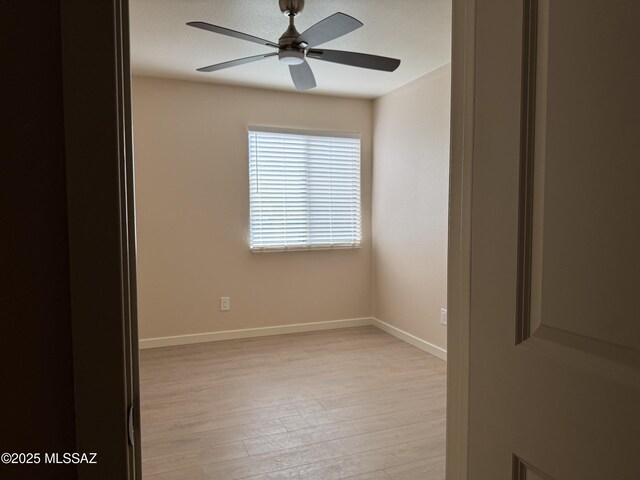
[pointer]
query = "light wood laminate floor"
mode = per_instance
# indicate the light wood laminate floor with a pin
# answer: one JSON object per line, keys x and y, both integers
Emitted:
{"x": 352, "y": 403}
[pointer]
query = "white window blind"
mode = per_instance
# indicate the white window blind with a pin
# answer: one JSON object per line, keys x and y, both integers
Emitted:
{"x": 304, "y": 190}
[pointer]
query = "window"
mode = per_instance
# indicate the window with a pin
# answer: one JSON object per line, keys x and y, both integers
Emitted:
{"x": 304, "y": 190}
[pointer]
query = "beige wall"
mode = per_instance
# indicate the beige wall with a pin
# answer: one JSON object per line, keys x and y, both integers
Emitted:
{"x": 193, "y": 212}
{"x": 410, "y": 197}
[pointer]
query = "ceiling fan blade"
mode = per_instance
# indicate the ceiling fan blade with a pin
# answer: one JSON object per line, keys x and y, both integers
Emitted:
{"x": 332, "y": 27}
{"x": 231, "y": 33}
{"x": 302, "y": 76}
{"x": 233, "y": 63}
{"x": 355, "y": 59}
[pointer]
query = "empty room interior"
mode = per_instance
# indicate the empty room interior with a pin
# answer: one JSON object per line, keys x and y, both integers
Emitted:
{"x": 292, "y": 219}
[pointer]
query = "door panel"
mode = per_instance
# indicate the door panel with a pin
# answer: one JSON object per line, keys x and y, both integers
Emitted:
{"x": 524, "y": 471}
{"x": 592, "y": 166}
{"x": 555, "y": 267}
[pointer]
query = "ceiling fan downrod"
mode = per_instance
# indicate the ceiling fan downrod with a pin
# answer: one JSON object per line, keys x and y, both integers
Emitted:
{"x": 288, "y": 53}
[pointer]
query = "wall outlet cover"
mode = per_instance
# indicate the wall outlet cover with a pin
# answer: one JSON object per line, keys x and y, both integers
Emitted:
{"x": 225, "y": 304}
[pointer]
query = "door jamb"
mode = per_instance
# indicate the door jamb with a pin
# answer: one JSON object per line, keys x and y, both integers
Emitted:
{"x": 459, "y": 258}
{"x": 101, "y": 219}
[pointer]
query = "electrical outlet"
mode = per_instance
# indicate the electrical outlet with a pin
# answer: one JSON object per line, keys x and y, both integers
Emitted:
{"x": 225, "y": 304}
{"x": 443, "y": 316}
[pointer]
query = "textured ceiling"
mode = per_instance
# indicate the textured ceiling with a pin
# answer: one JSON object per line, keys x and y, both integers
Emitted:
{"x": 416, "y": 31}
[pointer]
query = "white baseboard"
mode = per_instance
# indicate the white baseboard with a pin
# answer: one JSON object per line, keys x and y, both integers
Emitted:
{"x": 410, "y": 339}
{"x": 251, "y": 332}
{"x": 296, "y": 328}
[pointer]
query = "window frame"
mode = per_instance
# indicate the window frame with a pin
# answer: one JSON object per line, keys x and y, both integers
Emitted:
{"x": 310, "y": 133}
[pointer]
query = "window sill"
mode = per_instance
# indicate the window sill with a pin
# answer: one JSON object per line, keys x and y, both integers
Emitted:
{"x": 300, "y": 248}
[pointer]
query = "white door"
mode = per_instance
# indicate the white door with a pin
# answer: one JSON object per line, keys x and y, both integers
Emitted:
{"x": 555, "y": 241}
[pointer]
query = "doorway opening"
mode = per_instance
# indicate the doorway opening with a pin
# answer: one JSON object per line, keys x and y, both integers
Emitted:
{"x": 322, "y": 362}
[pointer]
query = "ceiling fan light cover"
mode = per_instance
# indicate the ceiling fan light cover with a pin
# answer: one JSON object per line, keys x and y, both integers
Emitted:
{"x": 291, "y": 57}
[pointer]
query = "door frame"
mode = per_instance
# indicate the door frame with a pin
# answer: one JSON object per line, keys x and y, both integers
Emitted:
{"x": 101, "y": 214}
{"x": 101, "y": 219}
{"x": 459, "y": 256}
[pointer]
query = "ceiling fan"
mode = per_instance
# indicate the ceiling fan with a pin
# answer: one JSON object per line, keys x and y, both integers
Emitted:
{"x": 294, "y": 48}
